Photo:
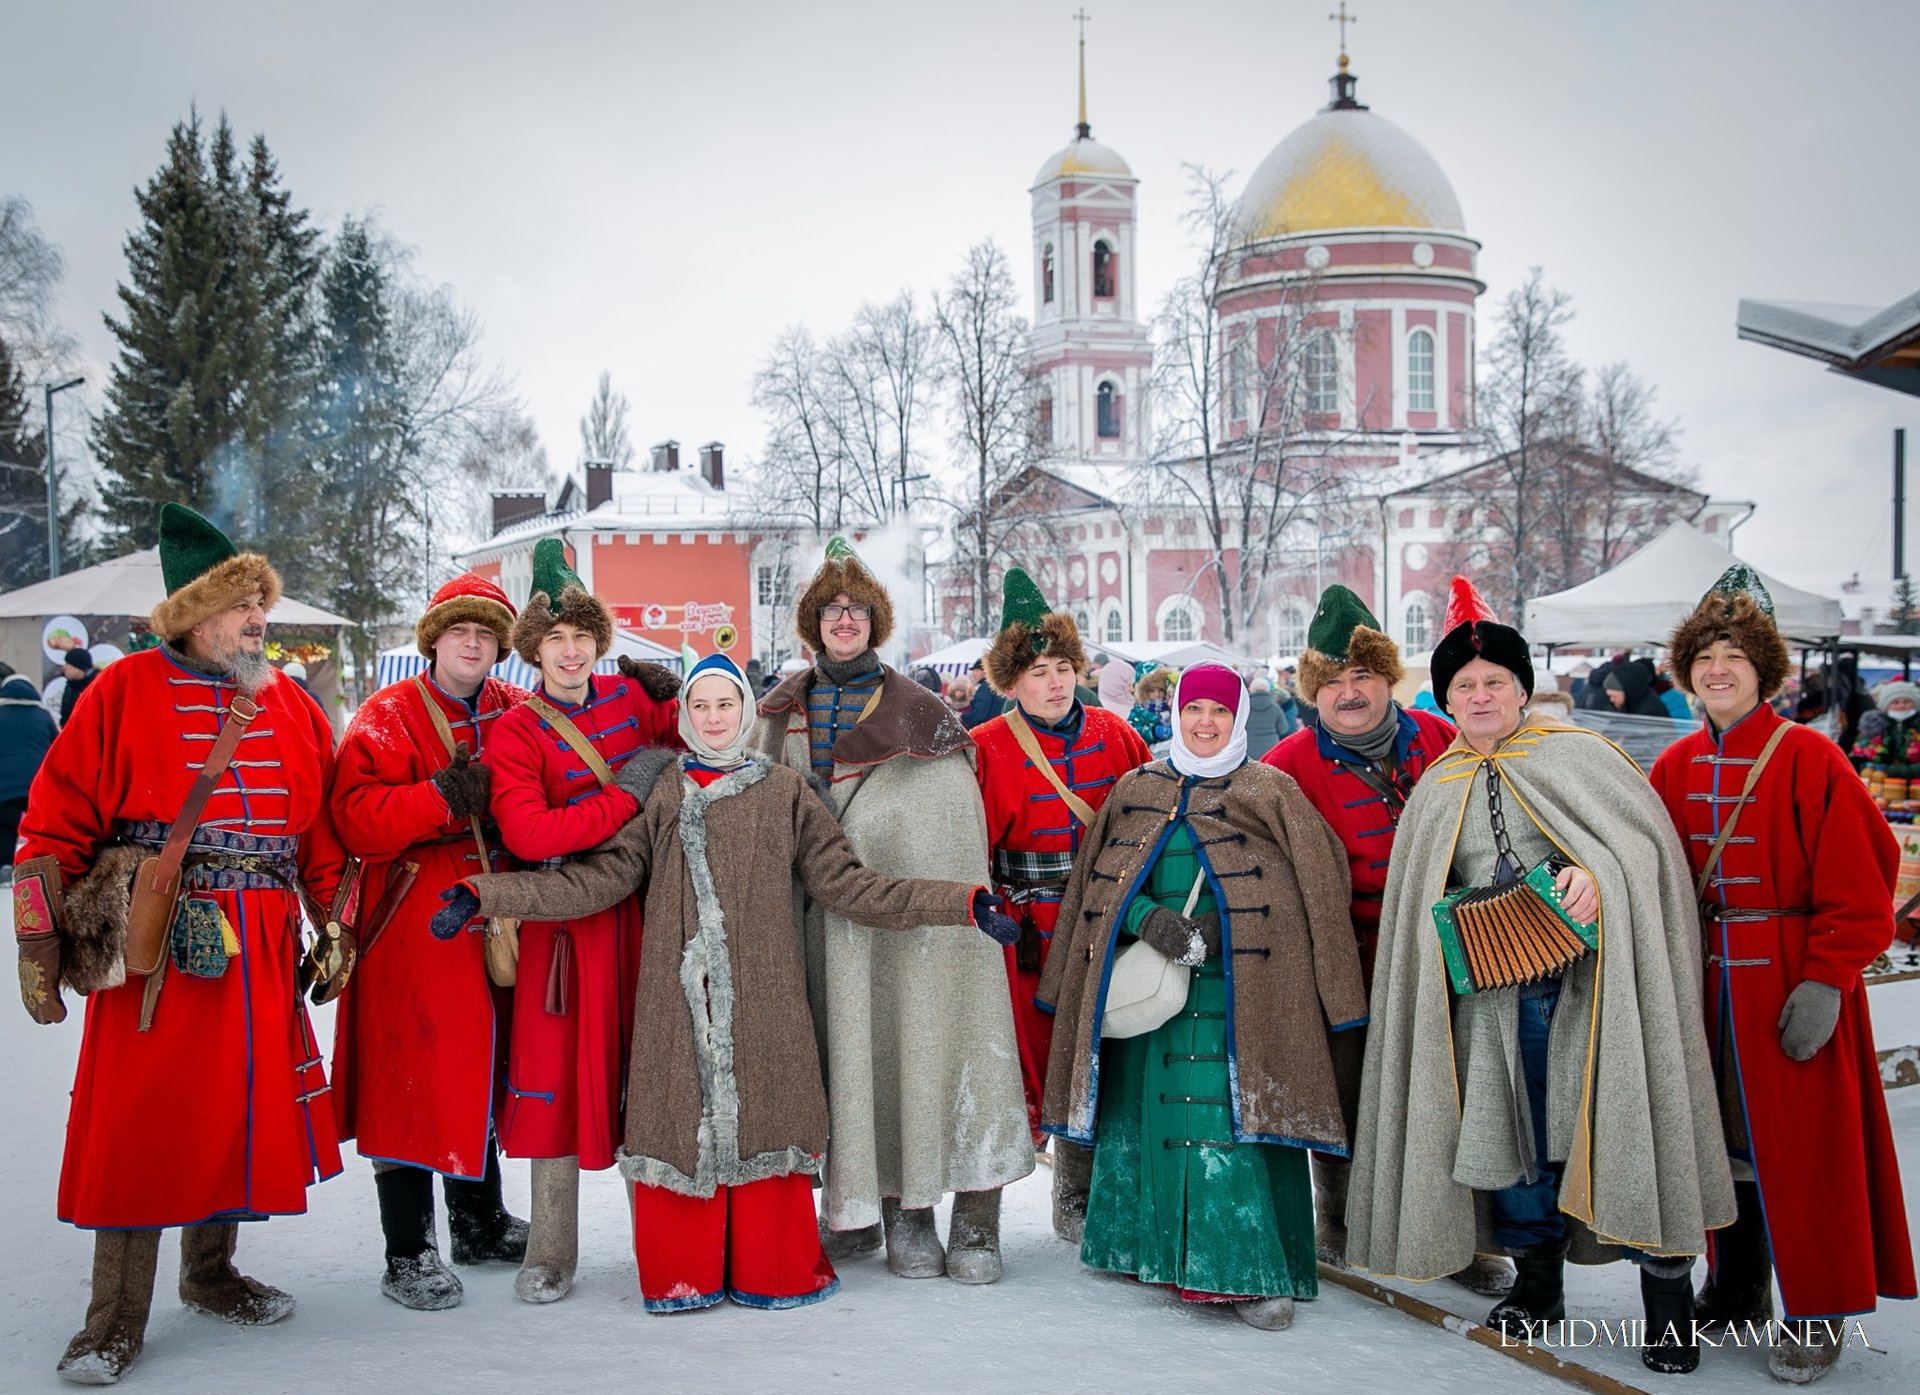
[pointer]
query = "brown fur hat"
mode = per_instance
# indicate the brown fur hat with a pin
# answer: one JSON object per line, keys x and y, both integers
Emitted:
{"x": 1740, "y": 620}
{"x": 212, "y": 592}
{"x": 843, "y": 573}
{"x": 1367, "y": 648}
{"x": 1013, "y": 650}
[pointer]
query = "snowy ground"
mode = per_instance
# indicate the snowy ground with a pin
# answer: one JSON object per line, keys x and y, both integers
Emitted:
{"x": 1048, "y": 1324}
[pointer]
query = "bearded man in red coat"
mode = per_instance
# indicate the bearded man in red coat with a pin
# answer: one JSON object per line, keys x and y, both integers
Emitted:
{"x": 1799, "y": 901}
{"x": 1357, "y": 765}
{"x": 199, "y": 1100}
{"x": 1045, "y": 768}
{"x": 554, "y": 760}
{"x": 420, "y": 1044}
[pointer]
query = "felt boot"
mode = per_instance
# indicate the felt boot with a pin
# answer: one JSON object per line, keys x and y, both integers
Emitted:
{"x": 1539, "y": 1290}
{"x": 210, "y": 1284}
{"x": 913, "y": 1245}
{"x": 1487, "y": 1275}
{"x": 1072, "y": 1180}
{"x": 1330, "y": 1209}
{"x": 123, "y": 1265}
{"x": 416, "y": 1277}
{"x": 1804, "y": 1361}
{"x": 850, "y": 1244}
{"x": 973, "y": 1237}
{"x": 1668, "y": 1299}
{"x": 553, "y": 1240}
{"x": 1739, "y": 1286}
{"x": 477, "y": 1220}
{"x": 1267, "y": 1314}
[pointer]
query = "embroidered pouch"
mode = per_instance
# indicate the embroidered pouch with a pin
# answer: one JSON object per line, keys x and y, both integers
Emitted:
{"x": 201, "y": 938}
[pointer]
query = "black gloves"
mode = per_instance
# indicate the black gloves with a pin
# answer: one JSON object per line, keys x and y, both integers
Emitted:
{"x": 1002, "y": 929}
{"x": 1173, "y": 935}
{"x": 638, "y": 776}
{"x": 462, "y": 905}
{"x": 464, "y": 785}
{"x": 660, "y": 684}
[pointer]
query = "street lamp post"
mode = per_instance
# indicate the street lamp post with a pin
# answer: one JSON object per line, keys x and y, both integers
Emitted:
{"x": 53, "y": 497}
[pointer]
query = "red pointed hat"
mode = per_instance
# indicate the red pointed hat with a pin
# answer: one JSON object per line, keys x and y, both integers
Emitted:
{"x": 1472, "y": 633}
{"x": 468, "y": 597}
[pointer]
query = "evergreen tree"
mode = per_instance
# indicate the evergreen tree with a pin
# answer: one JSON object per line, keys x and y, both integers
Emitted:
{"x": 23, "y": 486}
{"x": 1906, "y": 608}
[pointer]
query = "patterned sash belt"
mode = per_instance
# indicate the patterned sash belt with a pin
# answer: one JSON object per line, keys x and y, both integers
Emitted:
{"x": 1032, "y": 876}
{"x": 220, "y": 859}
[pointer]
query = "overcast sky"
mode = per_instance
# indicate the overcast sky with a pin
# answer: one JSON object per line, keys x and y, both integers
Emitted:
{"x": 658, "y": 189}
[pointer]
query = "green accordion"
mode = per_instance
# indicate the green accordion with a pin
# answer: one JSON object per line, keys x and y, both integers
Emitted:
{"x": 1509, "y": 935}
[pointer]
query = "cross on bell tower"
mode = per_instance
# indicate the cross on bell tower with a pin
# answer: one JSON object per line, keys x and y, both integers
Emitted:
{"x": 1343, "y": 82}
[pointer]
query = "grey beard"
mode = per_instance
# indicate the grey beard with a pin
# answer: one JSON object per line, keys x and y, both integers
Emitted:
{"x": 249, "y": 671}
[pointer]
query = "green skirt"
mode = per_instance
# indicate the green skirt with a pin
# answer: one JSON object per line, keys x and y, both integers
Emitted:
{"x": 1174, "y": 1200}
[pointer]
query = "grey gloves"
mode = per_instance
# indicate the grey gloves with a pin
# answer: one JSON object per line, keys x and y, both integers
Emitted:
{"x": 1190, "y": 942}
{"x": 1808, "y": 1019}
{"x": 644, "y": 769}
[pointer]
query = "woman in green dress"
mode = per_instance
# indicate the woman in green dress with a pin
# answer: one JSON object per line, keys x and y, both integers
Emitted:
{"x": 1201, "y": 1125}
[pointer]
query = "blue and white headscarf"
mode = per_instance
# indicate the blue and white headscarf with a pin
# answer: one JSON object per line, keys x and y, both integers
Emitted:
{"x": 734, "y": 753}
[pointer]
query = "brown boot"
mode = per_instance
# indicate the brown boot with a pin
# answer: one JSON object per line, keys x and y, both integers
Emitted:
{"x": 123, "y": 1262}
{"x": 210, "y": 1284}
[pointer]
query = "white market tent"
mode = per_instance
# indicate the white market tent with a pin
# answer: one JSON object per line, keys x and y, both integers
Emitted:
{"x": 404, "y": 660}
{"x": 132, "y": 585}
{"x": 1642, "y": 599}
{"x": 1174, "y": 653}
{"x": 955, "y": 658}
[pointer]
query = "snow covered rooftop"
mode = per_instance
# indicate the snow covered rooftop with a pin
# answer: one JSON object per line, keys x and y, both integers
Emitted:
{"x": 1879, "y": 345}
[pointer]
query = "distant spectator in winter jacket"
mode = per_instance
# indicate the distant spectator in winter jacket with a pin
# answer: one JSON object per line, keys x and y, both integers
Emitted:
{"x": 26, "y": 730}
{"x": 78, "y": 671}
{"x": 1116, "y": 687}
{"x": 1848, "y": 699}
{"x": 1889, "y": 735}
{"x": 297, "y": 671}
{"x": 1266, "y": 721}
{"x": 1151, "y": 714}
{"x": 986, "y": 704}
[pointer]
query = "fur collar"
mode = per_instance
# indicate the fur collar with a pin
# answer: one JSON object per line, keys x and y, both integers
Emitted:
{"x": 907, "y": 721}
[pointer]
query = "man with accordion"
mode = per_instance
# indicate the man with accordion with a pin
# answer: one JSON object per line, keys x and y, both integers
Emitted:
{"x": 1537, "y": 1079}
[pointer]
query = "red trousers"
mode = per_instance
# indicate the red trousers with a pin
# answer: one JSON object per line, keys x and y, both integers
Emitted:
{"x": 757, "y": 1244}
{"x": 1032, "y": 1037}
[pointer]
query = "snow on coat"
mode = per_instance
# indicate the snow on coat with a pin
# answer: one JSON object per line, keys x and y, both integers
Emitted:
{"x": 915, "y": 1027}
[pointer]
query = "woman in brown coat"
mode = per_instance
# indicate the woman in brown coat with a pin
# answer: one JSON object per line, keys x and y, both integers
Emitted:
{"x": 726, "y": 1112}
{"x": 1201, "y": 1113}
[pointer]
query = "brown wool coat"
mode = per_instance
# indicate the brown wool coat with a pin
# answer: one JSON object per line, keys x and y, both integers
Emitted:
{"x": 1293, "y": 970}
{"x": 724, "y": 1086}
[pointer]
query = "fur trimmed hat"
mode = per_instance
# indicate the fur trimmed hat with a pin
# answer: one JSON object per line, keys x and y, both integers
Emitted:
{"x": 1344, "y": 634}
{"x": 1472, "y": 633}
{"x": 204, "y": 572}
{"x": 1028, "y": 629}
{"x": 559, "y": 598}
{"x": 842, "y": 574}
{"x": 1739, "y": 610}
{"x": 468, "y": 598}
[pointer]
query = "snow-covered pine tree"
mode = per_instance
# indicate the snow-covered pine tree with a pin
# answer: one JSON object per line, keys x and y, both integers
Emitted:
{"x": 603, "y": 430}
{"x": 1905, "y": 612}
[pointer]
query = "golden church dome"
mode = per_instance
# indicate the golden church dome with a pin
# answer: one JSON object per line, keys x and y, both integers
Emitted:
{"x": 1085, "y": 157}
{"x": 1347, "y": 168}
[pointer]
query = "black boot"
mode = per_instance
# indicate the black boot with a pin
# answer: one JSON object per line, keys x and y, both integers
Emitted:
{"x": 1670, "y": 1347}
{"x": 416, "y": 1276}
{"x": 478, "y": 1222}
{"x": 1739, "y": 1287}
{"x": 1539, "y": 1289}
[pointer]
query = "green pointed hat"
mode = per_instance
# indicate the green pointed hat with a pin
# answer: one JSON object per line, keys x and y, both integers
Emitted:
{"x": 550, "y": 570}
{"x": 1741, "y": 579}
{"x": 1334, "y": 620}
{"x": 1022, "y": 604}
{"x": 1345, "y": 634}
{"x": 204, "y": 572}
{"x": 1029, "y": 627}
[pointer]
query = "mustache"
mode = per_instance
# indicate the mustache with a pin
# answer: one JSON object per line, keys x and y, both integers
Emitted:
{"x": 1352, "y": 704}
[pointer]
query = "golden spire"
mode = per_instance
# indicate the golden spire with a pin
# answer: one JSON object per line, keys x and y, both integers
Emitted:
{"x": 1081, "y": 17}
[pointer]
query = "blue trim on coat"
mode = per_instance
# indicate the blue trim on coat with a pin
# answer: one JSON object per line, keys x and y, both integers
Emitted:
{"x": 683, "y": 1305}
{"x": 1359, "y": 1021}
{"x": 796, "y": 1300}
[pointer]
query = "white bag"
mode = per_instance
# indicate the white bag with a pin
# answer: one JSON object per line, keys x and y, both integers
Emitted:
{"x": 1146, "y": 989}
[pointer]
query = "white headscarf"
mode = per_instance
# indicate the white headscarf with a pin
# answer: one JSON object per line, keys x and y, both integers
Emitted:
{"x": 1231, "y": 756}
{"x": 734, "y": 753}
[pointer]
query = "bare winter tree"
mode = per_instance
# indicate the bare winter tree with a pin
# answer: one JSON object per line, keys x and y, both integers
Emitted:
{"x": 603, "y": 430}
{"x": 880, "y": 374}
{"x": 30, "y": 272}
{"x": 999, "y": 499}
{"x": 503, "y": 453}
{"x": 1627, "y": 440}
{"x": 1237, "y": 440}
{"x": 797, "y": 481}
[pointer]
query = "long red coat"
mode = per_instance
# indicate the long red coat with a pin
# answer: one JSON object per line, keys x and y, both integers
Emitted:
{"x": 1033, "y": 835}
{"x": 1811, "y": 841}
{"x": 566, "y": 1072}
{"x": 1362, "y": 819}
{"x": 420, "y": 1043}
{"x": 221, "y": 1109}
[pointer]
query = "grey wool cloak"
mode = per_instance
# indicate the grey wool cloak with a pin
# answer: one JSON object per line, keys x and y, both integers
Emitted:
{"x": 724, "y": 1083}
{"x": 915, "y": 1028}
{"x": 1630, "y": 1095}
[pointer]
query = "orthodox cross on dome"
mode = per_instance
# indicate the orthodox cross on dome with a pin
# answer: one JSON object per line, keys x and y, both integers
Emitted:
{"x": 1343, "y": 19}
{"x": 1080, "y": 16}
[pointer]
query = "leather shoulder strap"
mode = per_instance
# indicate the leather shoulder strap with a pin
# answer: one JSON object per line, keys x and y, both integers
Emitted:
{"x": 1726, "y": 829}
{"x": 570, "y": 734}
{"x": 240, "y": 714}
{"x": 445, "y": 729}
{"x": 1029, "y": 743}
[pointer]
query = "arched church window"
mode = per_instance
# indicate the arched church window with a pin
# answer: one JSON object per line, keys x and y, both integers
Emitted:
{"x": 1420, "y": 371}
{"x": 1109, "y": 413}
{"x": 1046, "y": 274}
{"x": 1419, "y": 626}
{"x": 1116, "y": 625}
{"x": 1043, "y": 420}
{"x": 1240, "y": 379}
{"x": 1105, "y": 271}
{"x": 1322, "y": 373}
{"x": 1176, "y": 626}
{"x": 1290, "y": 620}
